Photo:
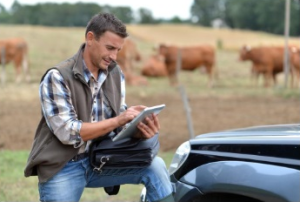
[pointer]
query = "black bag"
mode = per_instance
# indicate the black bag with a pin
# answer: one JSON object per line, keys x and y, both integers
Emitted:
{"x": 125, "y": 153}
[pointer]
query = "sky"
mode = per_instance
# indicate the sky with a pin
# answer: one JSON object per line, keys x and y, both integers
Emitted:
{"x": 165, "y": 9}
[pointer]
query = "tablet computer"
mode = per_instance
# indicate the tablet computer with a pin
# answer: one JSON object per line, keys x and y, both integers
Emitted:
{"x": 131, "y": 127}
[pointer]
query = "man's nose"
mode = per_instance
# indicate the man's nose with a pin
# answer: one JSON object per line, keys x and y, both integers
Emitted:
{"x": 113, "y": 55}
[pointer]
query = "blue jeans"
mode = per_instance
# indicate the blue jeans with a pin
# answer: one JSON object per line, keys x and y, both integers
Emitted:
{"x": 68, "y": 184}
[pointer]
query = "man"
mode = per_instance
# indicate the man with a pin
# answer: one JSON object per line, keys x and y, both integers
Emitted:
{"x": 83, "y": 98}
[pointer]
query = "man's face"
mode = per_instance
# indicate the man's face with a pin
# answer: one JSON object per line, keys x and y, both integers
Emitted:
{"x": 104, "y": 50}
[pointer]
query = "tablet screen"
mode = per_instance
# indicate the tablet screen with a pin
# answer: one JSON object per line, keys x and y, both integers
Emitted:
{"x": 131, "y": 128}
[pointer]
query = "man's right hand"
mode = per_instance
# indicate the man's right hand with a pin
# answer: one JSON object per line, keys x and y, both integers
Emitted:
{"x": 130, "y": 114}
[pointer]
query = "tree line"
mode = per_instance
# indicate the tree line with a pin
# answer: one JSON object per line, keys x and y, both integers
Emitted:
{"x": 258, "y": 15}
{"x": 262, "y": 15}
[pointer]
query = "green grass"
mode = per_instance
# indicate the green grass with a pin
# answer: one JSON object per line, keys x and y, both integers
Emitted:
{"x": 15, "y": 187}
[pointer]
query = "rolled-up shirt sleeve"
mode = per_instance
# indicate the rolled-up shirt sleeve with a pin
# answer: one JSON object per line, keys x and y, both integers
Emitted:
{"x": 58, "y": 110}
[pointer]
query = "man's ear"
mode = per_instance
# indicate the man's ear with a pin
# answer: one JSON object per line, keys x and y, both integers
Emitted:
{"x": 89, "y": 38}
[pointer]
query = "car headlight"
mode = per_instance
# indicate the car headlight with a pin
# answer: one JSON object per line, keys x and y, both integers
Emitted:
{"x": 180, "y": 156}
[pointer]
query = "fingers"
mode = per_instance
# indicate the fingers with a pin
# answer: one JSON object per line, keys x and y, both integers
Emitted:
{"x": 127, "y": 116}
{"x": 147, "y": 132}
{"x": 156, "y": 121}
{"x": 138, "y": 107}
{"x": 152, "y": 124}
{"x": 149, "y": 127}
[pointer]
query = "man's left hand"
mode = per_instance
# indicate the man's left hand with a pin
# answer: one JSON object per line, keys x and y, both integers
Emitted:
{"x": 148, "y": 128}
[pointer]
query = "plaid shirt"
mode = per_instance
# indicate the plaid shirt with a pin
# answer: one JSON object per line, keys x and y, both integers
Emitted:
{"x": 59, "y": 112}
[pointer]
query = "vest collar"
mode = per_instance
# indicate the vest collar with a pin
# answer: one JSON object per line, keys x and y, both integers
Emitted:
{"x": 78, "y": 65}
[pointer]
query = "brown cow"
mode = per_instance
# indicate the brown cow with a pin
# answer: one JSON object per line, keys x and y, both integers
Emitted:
{"x": 295, "y": 52}
{"x": 155, "y": 66}
{"x": 268, "y": 60}
{"x": 191, "y": 58}
{"x": 126, "y": 58}
{"x": 16, "y": 50}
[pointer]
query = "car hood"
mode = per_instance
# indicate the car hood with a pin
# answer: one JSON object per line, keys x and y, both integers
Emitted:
{"x": 267, "y": 134}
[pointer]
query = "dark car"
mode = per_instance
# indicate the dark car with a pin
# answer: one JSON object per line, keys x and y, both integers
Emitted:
{"x": 257, "y": 164}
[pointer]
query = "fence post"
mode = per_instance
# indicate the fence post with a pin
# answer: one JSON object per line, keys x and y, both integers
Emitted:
{"x": 187, "y": 111}
{"x": 184, "y": 97}
{"x": 286, "y": 48}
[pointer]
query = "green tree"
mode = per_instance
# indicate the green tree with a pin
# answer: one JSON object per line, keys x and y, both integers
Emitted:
{"x": 295, "y": 18}
{"x": 145, "y": 16}
{"x": 124, "y": 13}
{"x": 242, "y": 14}
{"x": 176, "y": 20}
{"x": 263, "y": 15}
{"x": 4, "y": 15}
{"x": 20, "y": 14}
{"x": 2, "y": 9}
{"x": 204, "y": 11}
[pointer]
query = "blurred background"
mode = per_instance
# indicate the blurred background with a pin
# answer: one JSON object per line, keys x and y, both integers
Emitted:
{"x": 216, "y": 64}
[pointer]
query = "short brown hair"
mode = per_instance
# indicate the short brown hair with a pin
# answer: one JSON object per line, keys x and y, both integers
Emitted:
{"x": 103, "y": 22}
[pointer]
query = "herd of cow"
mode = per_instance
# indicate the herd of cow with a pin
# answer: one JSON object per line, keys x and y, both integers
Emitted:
{"x": 168, "y": 60}
{"x": 266, "y": 61}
